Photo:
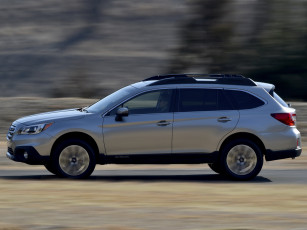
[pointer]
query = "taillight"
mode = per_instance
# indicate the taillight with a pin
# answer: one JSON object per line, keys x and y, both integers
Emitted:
{"x": 286, "y": 118}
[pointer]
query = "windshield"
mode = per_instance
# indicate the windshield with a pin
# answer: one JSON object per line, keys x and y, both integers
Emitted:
{"x": 110, "y": 100}
{"x": 280, "y": 100}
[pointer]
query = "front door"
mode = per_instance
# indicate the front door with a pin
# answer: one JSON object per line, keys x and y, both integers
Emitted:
{"x": 146, "y": 130}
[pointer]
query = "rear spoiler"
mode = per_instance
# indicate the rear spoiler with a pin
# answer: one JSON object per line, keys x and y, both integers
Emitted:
{"x": 268, "y": 87}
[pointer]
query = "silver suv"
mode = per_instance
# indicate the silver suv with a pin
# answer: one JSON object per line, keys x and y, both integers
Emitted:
{"x": 227, "y": 121}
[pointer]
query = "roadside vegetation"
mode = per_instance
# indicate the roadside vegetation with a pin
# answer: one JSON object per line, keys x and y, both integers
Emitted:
{"x": 89, "y": 48}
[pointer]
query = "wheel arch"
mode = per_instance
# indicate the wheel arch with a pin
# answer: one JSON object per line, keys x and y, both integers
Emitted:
{"x": 79, "y": 136}
{"x": 244, "y": 135}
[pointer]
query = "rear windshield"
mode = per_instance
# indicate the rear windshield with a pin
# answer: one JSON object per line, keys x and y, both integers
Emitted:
{"x": 280, "y": 100}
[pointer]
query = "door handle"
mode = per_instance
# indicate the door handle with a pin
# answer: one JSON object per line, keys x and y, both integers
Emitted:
{"x": 223, "y": 119}
{"x": 163, "y": 123}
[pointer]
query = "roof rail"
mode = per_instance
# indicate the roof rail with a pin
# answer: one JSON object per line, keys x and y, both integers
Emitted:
{"x": 160, "y": 77}
{"x": 227, "y": 79}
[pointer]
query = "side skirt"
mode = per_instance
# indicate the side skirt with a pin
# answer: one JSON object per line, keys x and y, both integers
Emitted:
{"x": 182, "y": 158}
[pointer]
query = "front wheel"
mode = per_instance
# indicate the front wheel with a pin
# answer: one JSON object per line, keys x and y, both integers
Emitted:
{"x": 74, "y": 159}
{"x": 241, "y": 159}
{"x": 49, "y": 166}
{"x": 216, "y": 167}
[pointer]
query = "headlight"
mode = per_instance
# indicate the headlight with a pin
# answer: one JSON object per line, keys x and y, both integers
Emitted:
{"x": 34, "y": 129}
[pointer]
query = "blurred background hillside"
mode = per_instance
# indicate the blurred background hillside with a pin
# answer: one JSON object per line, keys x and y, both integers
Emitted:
{"x": 77, "y": 48}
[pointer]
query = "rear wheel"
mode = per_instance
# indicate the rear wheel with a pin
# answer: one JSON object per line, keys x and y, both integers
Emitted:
{"x": 74, "y": 159}
{"x": 241, "y": 159}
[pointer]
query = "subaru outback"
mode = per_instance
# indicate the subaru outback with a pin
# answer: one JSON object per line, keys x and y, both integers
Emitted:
{"x": 227, "y": 121}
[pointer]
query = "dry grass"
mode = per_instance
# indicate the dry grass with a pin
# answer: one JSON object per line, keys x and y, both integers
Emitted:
{"x": 13, "y": 108}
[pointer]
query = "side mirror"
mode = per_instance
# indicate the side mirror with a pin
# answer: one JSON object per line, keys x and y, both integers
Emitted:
{"x": 121, "y": 112}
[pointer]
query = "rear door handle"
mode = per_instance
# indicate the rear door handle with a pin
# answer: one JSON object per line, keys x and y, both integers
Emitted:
{"x": 163, "y": 123}
{"x": 223, "y": 119}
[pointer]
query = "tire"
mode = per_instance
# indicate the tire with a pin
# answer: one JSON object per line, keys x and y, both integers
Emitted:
{"x": 216, "y": 167}
{"x": 74, "y": 158}
{"x": 49, "y": 166}
{"x": 241, "y": 159}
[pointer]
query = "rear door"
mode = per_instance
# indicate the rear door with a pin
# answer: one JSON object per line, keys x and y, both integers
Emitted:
{"x": 202, "y": 119}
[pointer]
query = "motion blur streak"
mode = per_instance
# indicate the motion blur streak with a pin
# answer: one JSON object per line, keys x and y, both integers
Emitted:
{"x": 88, "y": 48}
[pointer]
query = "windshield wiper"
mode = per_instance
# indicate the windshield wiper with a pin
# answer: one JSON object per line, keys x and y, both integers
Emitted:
{"x": 84, "y": 109}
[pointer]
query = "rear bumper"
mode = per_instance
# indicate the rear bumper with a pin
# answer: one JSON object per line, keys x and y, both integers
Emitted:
{"x": 27, "y": 154}
{"x": 277, "y": 155}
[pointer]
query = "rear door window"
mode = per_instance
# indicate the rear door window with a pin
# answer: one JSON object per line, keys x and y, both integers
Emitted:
{"x": 202, "y": 100}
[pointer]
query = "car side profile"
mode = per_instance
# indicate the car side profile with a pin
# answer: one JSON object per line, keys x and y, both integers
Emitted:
{"x": 227, "y": 121}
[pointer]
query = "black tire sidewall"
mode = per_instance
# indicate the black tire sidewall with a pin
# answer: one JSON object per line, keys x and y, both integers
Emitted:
{"x": 63, "y": 145}
{"x": 50, "y": 167}
{"x": 225, "y": 152}
{"x": 215, "y": 167}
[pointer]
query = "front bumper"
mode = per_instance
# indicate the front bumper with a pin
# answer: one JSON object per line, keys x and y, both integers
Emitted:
{"x": 277, "y": 155}
{"x": 27, "y": 154}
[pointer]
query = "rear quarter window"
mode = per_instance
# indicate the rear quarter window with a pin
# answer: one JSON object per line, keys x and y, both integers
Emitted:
{"x": 243, "y": 100}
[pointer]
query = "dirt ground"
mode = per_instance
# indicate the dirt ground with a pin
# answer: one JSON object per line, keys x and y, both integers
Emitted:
{"x": 46, "y": 202}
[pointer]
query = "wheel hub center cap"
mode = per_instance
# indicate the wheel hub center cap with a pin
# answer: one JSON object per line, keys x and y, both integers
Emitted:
{"x": 73, "y": 160}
